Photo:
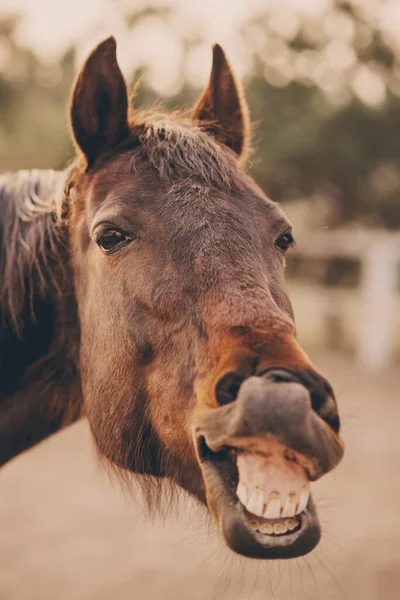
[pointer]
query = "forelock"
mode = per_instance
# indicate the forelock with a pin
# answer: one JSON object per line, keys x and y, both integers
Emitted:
{"x": 181, "y": 150}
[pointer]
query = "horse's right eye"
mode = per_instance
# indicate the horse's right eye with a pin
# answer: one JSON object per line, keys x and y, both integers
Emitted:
{"x": 110, "y": 239}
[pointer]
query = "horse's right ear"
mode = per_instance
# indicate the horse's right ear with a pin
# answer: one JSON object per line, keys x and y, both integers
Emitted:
{"x": 99, "y": 105}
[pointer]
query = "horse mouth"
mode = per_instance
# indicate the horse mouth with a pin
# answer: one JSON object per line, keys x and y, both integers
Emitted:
{"x": 261, "y": 500}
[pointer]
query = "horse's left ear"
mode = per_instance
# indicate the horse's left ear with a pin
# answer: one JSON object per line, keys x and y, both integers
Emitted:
{"x": 222, "y": 110}
{"x": 99, "y": 104}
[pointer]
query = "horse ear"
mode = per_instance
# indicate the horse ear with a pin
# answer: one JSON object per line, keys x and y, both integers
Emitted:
{"x": 99, "y": 105}
{"x": 222, "y": 110}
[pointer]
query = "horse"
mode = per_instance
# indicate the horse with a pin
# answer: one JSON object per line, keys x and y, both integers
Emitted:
{"x": 143, "y": 288}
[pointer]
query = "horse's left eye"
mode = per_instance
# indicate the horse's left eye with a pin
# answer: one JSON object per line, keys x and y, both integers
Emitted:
{"x": 109, "y": 239}
{"x": 284, "y": 242}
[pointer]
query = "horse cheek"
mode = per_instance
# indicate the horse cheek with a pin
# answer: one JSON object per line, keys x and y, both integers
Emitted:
{"x": 171, "y": 417}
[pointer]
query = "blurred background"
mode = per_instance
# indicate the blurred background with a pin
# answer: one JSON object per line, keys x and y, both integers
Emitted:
{"x": 322, "y": 78}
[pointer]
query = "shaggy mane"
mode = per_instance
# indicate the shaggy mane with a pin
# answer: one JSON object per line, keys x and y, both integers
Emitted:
{"x": 31, "y": 204}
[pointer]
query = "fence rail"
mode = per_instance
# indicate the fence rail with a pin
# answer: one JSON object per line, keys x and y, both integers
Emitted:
{"x": 378, "y": 252}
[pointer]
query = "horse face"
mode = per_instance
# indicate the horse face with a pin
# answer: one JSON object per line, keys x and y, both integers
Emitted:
{"x": 190, "y": 366}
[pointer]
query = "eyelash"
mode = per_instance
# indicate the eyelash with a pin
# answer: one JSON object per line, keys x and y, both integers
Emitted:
{"x": 284, "y": 242}
{"x": 114, "y": 236}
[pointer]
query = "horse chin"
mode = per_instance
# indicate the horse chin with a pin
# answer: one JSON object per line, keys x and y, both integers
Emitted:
{"x": 247, "y": 533}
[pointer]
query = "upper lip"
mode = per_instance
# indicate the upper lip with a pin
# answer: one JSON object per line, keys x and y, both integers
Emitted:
{"x": 233, "y": 425}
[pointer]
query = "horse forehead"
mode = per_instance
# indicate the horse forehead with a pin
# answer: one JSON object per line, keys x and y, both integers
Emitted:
{"x": 181, "y": 197}
{"x": 188, "y": 205}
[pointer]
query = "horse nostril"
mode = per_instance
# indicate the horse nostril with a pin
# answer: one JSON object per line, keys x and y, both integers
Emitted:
{"x": 279, "y": 376}
{"x": 327, "y": 410}
{"x": 227, "y": 387}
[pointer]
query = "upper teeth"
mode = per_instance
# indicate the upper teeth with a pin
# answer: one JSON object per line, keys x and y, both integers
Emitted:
{"x": 270, "y": 486}
{"x": 274, "y": 506}
{"x": 272, "y": 509}
{"x": 290, "y": 506}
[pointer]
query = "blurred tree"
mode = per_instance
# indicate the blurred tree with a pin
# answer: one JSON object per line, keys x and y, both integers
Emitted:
{"x": 327, "y": 97}
{"x": 324, "y": 93}
{"x": 33, "y": 97}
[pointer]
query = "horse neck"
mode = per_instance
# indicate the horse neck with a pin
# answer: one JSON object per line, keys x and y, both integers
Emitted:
{"x": 39, "y": 334}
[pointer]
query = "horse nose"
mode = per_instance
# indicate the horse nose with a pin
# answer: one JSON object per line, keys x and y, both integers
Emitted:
{"x": 227, "y": 388}
{"x": 276, "y": 405}
{"x": 310, "y": 384}
{"x": 280, "y": 376}
{"x": 279, "y": 406}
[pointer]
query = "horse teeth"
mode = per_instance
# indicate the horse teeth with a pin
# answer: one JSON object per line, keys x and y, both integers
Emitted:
{"x": 291, "y": 524}
{"x": 266, "y": 528}
{"x": 242, "y": 492}
{"x": 273, "y": 506}
{"x": 304, "y": 495}
{"x": 255, "y": 504}
{"x": 289, "y": 508}
{"x": 254, "y": 524}
{"x": 280, "y": 528}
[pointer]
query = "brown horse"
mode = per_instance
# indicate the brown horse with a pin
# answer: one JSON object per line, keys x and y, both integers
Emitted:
{"x": 144, "y": 287}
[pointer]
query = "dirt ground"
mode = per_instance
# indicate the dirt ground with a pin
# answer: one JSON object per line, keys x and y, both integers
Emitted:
{"x": 66, "y": 533}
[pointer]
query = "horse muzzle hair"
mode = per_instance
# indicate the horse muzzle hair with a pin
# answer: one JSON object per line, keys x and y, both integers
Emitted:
{"x": 268, "y": 435}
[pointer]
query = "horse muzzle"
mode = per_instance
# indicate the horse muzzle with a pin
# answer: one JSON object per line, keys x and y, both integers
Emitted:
{"x": 259, "y": 453}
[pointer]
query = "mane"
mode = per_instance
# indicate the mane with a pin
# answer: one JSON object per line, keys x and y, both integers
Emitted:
{"x": 31, "y": 204}
{"x": 177, "y": 148}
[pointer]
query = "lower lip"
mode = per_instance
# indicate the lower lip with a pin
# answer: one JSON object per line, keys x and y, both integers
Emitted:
{"x": 231, "y": 514}
{"x": 244, "y": 540}
{"x": 241, "y": 538}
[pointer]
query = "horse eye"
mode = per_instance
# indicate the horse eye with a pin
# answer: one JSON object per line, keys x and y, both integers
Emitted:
{"x": 284, "y": 242}
{"x": 108, "y": 239}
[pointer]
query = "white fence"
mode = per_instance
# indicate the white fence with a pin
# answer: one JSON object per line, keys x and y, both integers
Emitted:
{"x": 379, "y": 254}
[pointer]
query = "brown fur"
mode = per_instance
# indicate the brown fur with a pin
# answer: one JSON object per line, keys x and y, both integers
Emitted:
{"x": 142, "y": 336}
